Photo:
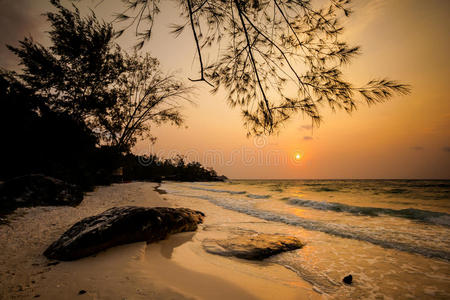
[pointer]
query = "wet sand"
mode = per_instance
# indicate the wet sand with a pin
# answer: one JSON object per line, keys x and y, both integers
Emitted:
{"x": 176, "y": 268}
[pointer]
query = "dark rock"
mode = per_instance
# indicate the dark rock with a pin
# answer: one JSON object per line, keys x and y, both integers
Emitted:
{"x": 81, "y": 292}
{"x": 121, "y": 225}
{"x": 3, "y": 220}
{"x": 348, "y": 279}
{"x": 37, "y": 296}
{"x": 52, "y": 263}
{"x": 252, "y": 246}
{"x": 159, "y": 191}
{"x": 38, "y": 190}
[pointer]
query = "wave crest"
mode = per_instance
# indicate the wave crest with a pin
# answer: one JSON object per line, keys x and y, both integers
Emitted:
{"x": 431, "y": 217}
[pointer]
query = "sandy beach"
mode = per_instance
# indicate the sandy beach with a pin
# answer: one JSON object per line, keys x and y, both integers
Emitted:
{"x": 224, "y": 150}
{"x": 176, "y": 268}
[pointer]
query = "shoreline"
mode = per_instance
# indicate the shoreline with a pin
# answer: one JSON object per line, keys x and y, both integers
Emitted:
{"x": 175, "y": 268}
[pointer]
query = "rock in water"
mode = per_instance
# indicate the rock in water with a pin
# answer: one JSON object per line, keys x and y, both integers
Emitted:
{"x": 122, "y": 225}
{"x": 348, "y": 279}
{"x": 38, "y": 190}
{"x": 252, "y": 246}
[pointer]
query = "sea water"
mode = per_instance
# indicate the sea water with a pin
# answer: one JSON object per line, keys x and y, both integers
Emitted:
{"x": 393, "y": 236}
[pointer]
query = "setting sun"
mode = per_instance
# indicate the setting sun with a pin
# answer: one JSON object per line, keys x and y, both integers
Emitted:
{"x": 210, "y": 137}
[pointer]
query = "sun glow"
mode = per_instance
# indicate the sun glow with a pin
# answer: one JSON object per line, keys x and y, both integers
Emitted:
{"x": 298, "y": 156}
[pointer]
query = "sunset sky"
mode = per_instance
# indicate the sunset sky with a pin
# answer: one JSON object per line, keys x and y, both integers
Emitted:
{"x": 408, "y": 137}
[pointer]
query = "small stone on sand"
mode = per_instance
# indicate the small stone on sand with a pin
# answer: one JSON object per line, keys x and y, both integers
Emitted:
{"x": 348, "y": 279}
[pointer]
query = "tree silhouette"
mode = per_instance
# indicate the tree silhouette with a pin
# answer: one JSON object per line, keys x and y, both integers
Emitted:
{"x": 86, "y": 75}
{"x": 146, "y": 97}
{"x": 75, "y": 74}
{"x": 77, "y": 107}
{"x": 280, "y": 57}
{"x": 36, "y": 139}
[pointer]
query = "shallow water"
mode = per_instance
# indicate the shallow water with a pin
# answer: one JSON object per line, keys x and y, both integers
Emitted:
{"x": 393, "y": 236}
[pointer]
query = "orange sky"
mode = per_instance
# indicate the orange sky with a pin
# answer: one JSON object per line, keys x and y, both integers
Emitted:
{"x": 408, "y": 137}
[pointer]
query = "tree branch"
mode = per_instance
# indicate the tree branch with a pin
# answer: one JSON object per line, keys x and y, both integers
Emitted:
{"x": 270, "y": 120}
{"x": 194, "y": 32}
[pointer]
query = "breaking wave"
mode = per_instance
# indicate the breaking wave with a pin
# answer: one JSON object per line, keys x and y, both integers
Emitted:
{"x": 255, "y": 196}
{"x": 340, "y": 230}
{"x": 431, "y": 217}
{"x": 218, "y": 191}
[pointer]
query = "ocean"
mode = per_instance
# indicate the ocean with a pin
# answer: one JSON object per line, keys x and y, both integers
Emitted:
{"x": 393, "y": 236}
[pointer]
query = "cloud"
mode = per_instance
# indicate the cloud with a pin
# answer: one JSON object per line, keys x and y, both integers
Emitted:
{"x": 307, "y": 138}
{"x": 305, "y": 127}
{"x": 417, "y": 148}
{"x": 446, "y": 149}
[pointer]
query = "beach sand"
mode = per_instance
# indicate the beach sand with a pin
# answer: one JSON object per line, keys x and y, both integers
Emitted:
{"x": 176, "y": 268}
